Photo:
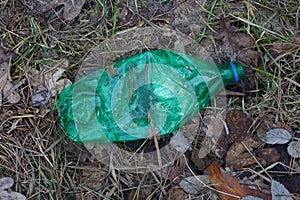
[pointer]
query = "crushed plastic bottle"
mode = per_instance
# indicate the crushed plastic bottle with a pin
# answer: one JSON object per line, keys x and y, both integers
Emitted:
{"x": 155, "y": 90}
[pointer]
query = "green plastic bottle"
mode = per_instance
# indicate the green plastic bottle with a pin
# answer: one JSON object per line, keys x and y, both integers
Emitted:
{"x": 158, "y": 89}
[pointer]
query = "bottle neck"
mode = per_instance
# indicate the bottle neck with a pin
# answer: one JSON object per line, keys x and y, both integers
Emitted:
{"x": 231, "y": 72}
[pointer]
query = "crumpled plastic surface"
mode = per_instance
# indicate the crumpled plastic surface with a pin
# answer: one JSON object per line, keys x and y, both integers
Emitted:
{"x": 157, "y": 89}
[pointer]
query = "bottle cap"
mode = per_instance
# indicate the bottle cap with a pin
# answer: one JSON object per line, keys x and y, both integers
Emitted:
{"x": 237, "y": 70}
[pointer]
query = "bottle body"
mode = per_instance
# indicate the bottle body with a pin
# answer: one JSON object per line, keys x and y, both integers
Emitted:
{"x": 158, "y": 90}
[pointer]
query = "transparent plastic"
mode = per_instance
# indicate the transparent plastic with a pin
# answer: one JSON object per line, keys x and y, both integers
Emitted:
{"x": 155, "y": 90}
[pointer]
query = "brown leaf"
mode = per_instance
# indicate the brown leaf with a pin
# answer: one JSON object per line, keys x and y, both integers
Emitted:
{"x": 278, "y": 45}
{"x": 237, "y": 45}
{"x": 71, "y": 8}
{"x": 240, "y": 161}
{"x": 264, "y": 156}
{"x": 238, "y": 124}
{"x": 227, "y": 184}
{"x": 237, "y": 148}
{"x": 267, "y": 156}
{"x": 238, "y": 156}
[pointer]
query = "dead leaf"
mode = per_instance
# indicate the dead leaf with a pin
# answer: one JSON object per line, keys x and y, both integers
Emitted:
{"x": 7, "y": 88}
{"x": 294, "y": 149}
{"x": 52, "y": 83}
{"x": 205, "y": 148}
{"x": 40, "y": 97}
{"x": 225, "y": 183}
{"x": 237, "y": 45}
{"x": 126, "y": 17}
{"x": 267, "y": 156}
{"x": 9, "y": 195}
{"x": 6, "y": 183}
{"x": 9, "y": 92}
{"x": 279, "y": 46}
{"x": 195, "y": 184}
{"x": 237, "y": 148}
{"x": 264, "y": 156}
{"x": 242, "y": 160}
{"x": 213, "y": 142}
{"x": 179, "y": 142}
{"x": 238, "y": 156}
{"x": 214, "y": 137}
{"x": 71, "y": 8}
{"x": 111, "y": 71}
{"x": 279, "y": 192}
{"x": 257, "y": 184}
{"x": 47, "y": 81}
{"x": 176, "y": 193}
{"x": 269, "y": 124}
{"x": 228, "y": 184}
{"x": 278, "y": 136}
{"x": 238, "y": 124}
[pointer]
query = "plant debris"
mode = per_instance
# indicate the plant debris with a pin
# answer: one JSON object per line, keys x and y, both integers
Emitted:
{"x": 238, "y": 46}
{"x": 50, "y": 84}
{"x": 279, "y": 46}
{"x": 70, "y": 11}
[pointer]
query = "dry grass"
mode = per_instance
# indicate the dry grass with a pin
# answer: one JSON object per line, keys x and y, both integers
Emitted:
{"x": 47, "y": 165}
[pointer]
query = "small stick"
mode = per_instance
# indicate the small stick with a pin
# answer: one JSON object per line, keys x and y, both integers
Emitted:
{"x": 154, "y": 133}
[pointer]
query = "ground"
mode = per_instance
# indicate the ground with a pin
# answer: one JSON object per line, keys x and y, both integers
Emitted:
{"x": 43, "y": 46}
